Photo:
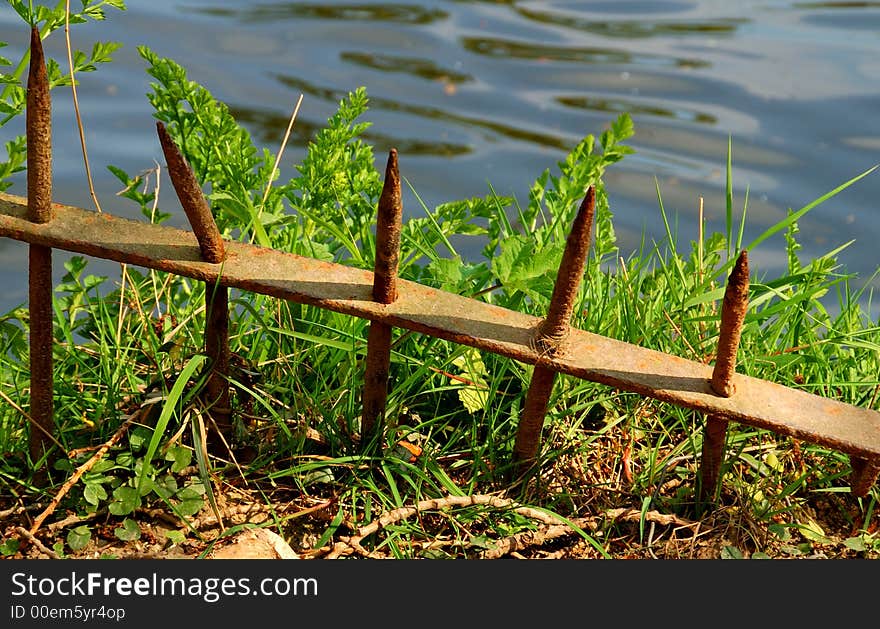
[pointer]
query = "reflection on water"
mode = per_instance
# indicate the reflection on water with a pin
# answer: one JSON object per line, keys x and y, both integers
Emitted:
{"x": 423, "y": 68}
{"x": 265, "y": 125}
{"x": 507, "y": 49}
{"x": 478, "y": 94}
{"x": 836, "y": 5}
{"x": 285, "y": 11}
{"x": 612, "y": 105}
{"x": 430, "y": 113}
{"x": 629, "y": 29}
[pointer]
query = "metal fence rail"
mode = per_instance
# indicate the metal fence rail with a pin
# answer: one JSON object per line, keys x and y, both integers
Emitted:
{"x": 847, "y": 428}
{"x": 549, "y": 343}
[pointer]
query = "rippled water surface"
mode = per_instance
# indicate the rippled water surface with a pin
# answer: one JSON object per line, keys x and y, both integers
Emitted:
{"x": 480, "y": 93}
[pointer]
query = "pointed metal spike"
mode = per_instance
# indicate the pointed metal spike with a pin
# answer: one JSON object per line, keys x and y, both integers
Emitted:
{"x": 39, "y": 210}
{"x": 554, "y": 328}
{"x": 213, "y": 250}
{"x": 389, "y": 223}
{"x": 39, "y": 135}
{"x": 192, "y": 199}
{"x": 733, "y": 313}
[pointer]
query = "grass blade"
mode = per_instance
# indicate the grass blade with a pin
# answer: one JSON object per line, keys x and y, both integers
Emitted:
{"x": 170, "y": 404}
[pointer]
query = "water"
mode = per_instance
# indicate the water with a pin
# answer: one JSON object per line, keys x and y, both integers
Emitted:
{"x": 479, "y": 93}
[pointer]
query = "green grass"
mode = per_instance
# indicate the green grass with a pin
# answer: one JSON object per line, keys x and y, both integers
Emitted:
{"x": 133, "y": 346}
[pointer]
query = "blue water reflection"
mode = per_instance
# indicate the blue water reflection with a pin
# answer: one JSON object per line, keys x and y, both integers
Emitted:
{"x": 473, "y": 93}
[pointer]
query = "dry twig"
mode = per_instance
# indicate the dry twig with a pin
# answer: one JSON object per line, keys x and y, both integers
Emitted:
{"x": 553, "y": 526}
{"x": 82, "y": 469}
{"x": 29, "y": 536}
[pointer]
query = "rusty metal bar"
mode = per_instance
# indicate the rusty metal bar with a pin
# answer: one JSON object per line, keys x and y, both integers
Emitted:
{"x": 216, "y": 395}
{"x": 733, "y": 314}
{"x": 445, "y": 315}
{"x": 551, "y": 334}
{"x": 389, "y": 224}
{"x": 212, "y": 249}
{"x": 714, "y": 439}
{"x": 864, "y": 474}
{"x": 39, "y": 210}
{"x": 193, "y": 201}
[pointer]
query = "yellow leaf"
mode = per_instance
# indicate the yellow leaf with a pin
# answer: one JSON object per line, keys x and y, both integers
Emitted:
{"x": 473, "y": 398}
{"x": 772, "y": 461}
{"x": 813, "y": 532}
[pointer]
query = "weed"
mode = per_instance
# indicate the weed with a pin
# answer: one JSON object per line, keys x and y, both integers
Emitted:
{"x": 616, "y": 469}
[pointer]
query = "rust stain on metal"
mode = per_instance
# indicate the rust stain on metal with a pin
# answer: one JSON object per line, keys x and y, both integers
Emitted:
{"x": 389, "y": 223}
{"x": 212, "y": 250}
{"x": 216, "y": 394}
{"x": 864, "y": 474}
{"x": 419, "y": 308}
{"x": 41, "y": 339}
{"x": 733, "y": 313}
{"x": 39, "y": 135}
{"x": 528, "y": 432}
{"x": 192, "y": 199}
{"x": 553, "y": 330}
{"x": 39, "y": 210}
{"x": 714, "y": 436}
{"x": 388, "y": 227}
{"x": 376, "y": 370}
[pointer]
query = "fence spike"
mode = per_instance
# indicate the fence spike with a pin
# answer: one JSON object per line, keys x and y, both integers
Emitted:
{"x": 864, "y": 474}
{"x": 192, "y": 199}
{"x": 733, "y": 312}
{"x": 343, "y": 289}
{"x": 553, "y": 330}
{"x": 389, "y": 222}
{"x": 39, "y": 189}
{"x": 39, "y": 135}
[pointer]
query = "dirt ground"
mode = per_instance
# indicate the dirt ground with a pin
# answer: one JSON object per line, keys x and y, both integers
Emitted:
{"x": 291, "y": 526}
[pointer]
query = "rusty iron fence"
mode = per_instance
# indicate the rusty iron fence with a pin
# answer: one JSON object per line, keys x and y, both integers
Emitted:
{"x": 549, "y": 343}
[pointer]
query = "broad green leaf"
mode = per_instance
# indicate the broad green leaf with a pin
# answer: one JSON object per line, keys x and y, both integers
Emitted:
{"x": 190, "y": 506}
{"x": 129, "y": 531}
{"x": 125, "y": 500}
{"x": 731, "y": 552}
{"x": 94, "y": 493}
{"x": 856, "y": 543}
{"x": 181, "y": 457}
{"x": 79, "y": 537}
{"x": 474, "y": 396}
{"x": 176, "y": 537}
{"x": 9, "y": 546}
{"x": 446, "y": 272}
